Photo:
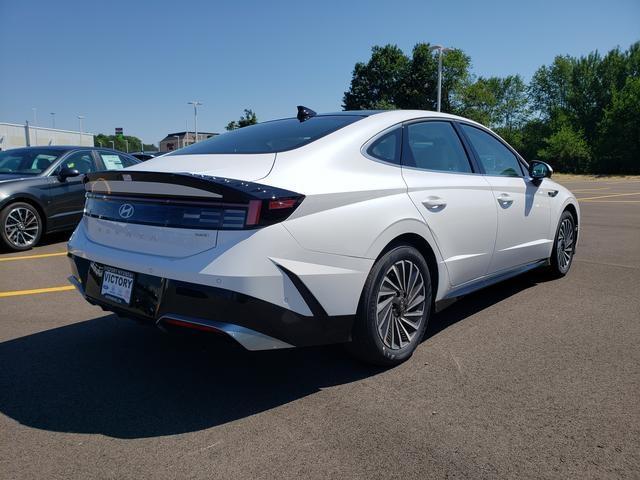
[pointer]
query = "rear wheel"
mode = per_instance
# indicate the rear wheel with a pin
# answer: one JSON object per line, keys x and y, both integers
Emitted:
{"x": 394, "y": 308}
{"x": 564, "y": 246}
{"x": 21, "y": 226}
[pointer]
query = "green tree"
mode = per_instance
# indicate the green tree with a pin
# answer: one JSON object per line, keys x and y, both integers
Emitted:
{"x": 120, "y": 142}
{"x": 549, "y": 86}
{"x": 249, "y": 118}
{"x": 567, "y": 149}
{"x": 619, "y": 145}
{"x": 379, "y": 83}
{"x": 496, "y": 102}
{"x": 391, "y": 79}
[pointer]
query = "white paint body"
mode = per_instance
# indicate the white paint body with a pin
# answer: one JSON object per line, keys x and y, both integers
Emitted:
{"x": 353, "y": 208}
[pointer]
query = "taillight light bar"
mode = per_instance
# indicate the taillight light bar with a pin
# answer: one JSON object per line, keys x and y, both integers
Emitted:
{"x": 267, "y": 212}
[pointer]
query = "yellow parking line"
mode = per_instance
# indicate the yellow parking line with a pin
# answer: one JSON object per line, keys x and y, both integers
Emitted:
{"x": 37, "y": 290}
{"x": 608, "y": 196}
{"x": 581, "y": 190}
{"x": 29, "y": 257}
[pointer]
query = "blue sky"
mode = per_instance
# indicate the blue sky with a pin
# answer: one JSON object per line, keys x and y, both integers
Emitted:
{"x": 135, "y": 64}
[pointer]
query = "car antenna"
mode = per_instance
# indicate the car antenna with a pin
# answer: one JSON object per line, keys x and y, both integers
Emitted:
{"x": 305, "y": 113}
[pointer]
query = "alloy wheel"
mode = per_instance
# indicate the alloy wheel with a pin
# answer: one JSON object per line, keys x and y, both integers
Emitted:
{"x": 566, "y": 237}
{"x": 401, "y": 304}
{"x": 21, "y": 227}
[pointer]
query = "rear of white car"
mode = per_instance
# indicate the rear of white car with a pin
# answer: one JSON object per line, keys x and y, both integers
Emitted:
{"x": 193, "y": 249}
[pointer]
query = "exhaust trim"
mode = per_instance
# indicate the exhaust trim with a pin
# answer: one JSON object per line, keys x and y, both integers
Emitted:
{"x": 249, "y": 339}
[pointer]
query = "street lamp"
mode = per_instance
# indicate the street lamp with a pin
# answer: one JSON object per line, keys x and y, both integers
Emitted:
{"x": 441, "y": 50}
{"x": 80, "y": 118}
{"x": 126, "y": 142}
{"x": 53, "y": 119}
{"x": 177, "y": 139}
{"x": 195, "y": 104}
{"x": 113, "y": 144}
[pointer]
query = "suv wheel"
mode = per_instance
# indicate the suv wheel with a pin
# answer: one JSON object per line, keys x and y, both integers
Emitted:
{"x": 394, "y": 308}
{"x": 21, "y": 226}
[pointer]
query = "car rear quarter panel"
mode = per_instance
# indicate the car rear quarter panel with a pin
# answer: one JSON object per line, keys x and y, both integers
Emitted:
{"x": 353, "y": 206}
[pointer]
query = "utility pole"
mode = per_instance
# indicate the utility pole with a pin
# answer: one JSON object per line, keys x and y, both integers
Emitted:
{"x": 441, "y": 51}
{"x": 195, "y": 104}
{"x": 80, "y": 118}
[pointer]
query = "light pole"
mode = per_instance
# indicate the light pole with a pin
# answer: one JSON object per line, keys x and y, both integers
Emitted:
{"x": 441, "y": 51}
{"x": 113, "y": 144}
{"x": 195, "y": 104}
{"x": 53, "y": 119}
{"x": 80, "y": 118}
{"x": 35, "y": 123}
{"x": 177, "y": 140}
{"x": 126, "y": 142}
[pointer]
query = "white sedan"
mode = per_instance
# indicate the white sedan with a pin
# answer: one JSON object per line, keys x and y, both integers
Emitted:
{"x": 322, "y": 228}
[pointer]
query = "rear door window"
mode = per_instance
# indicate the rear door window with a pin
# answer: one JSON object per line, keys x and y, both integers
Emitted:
{"x": 434, "y": 145}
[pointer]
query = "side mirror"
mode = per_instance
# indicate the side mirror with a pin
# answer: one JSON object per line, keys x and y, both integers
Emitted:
{"x": 67, "y": 172}
{"x": 539, "y": 170}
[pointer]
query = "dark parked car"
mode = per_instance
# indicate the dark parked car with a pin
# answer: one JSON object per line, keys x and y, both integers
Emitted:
{"x": 41, "y": 189}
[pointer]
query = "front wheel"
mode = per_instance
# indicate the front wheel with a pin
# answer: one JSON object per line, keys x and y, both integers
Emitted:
{"x": 21, "y": 226}
{"x": 394, "y": 308}
{"x": 564, "y": 246}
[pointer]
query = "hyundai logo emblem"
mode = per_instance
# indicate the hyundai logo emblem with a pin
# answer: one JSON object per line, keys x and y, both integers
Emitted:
{"x": 126, "y": 210}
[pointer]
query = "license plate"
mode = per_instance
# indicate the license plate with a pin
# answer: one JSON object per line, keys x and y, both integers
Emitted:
{"x": 117, "y": 284}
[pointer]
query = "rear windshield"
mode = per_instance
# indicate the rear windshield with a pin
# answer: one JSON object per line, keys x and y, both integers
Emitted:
{"x": 271, "y": 137}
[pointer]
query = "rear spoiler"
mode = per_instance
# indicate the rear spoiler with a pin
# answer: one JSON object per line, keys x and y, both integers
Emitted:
{"x": 227, "y": 189}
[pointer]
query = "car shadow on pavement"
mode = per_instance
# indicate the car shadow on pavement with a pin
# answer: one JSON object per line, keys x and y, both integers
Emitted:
{"x": 113, "y": 377}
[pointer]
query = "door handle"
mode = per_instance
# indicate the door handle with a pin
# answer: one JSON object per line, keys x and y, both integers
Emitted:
{"x": 434, "y": 203}
{"x": 505, "y": 200}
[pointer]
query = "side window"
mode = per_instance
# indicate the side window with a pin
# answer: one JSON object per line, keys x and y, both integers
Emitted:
{"x": 387, "y": 147}
{"x": 434, "y": 146}
{"x": 81, "y": 161}
{"x": 496, "y": 159}
{"x": 113, "y": 161}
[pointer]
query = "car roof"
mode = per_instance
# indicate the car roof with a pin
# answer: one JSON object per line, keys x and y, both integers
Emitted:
{"x": 360, "y": 113}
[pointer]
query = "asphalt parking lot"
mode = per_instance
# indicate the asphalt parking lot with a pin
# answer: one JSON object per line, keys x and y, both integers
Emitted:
{"x": 527, "y": 379}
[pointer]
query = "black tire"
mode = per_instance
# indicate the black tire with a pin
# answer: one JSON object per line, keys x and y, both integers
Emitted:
{"x": 17, "y": 235}
{"x": 367, "y": 342}
{"x": 564, "y": 244}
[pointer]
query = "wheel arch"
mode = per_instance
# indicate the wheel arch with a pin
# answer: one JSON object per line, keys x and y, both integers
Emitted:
{"x": 573, "y": 209}
{"x": 570, "y": 207}
{"x": 418, "y": 234}
{"x": 425, "y": 249}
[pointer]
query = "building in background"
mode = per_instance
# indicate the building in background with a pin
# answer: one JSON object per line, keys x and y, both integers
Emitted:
{"x": 14, "y": 135}
{"x": 174, "y": 141}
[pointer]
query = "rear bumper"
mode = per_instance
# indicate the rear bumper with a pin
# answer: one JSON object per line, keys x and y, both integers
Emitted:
{"x": 254, "y": 323}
